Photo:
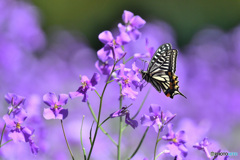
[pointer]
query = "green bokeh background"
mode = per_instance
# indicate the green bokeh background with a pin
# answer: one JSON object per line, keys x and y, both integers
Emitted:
{"x": 91, "y": 17}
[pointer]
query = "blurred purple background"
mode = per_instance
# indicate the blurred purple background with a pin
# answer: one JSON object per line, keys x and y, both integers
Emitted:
{"x": 33, "y": 63}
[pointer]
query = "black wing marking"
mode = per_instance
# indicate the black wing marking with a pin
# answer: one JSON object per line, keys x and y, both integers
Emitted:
{"x": 160, "y": 52}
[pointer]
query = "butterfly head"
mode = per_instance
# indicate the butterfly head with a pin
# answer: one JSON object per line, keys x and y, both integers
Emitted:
{"x": 145, "y": 75}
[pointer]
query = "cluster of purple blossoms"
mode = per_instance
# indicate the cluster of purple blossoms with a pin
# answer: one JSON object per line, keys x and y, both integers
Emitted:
{"x": 158, "y": 119}
{"x": 128, "y": 77}
{"x": 14, "y": 119}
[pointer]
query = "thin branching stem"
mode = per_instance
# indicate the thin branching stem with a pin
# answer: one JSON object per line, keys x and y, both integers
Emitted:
{"x": 66, "y": 140}
{"x": 83, "y": 149}
{"x": 99, "y": 112}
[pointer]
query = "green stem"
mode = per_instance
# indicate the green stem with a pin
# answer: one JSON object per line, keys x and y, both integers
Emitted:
{"x": 139, "y": 145}
{"x": 160, "y": 154}
{"x": 120, "y": 126}
{"x": 66, "y": 140}
{"x": 97, "y": 93}
{"x": 99, "y": 112}
{"x": 104, "y": 121}
{"x": 83, "y": 149}
{"x": 6, "y": 142}
{"x": 95, "y": 118}
{"x": 124, "y": 62}
{"x": 142, "y": 103}
{"x": 155, "y": 148}
{"x": 10, "y": 111}
{"x": 2, "y": 135}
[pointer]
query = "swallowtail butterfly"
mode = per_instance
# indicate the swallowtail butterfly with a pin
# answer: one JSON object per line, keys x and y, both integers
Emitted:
{"x": 161, "y": 71}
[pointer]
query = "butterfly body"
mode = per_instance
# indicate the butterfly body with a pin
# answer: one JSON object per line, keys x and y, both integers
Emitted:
{"x": 161, "y": 71}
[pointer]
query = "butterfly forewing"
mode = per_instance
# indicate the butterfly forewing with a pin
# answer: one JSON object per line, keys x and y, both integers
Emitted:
{"x": 159, "y": 57}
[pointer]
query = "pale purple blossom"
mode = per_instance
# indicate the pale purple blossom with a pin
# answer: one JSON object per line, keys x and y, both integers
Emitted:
{"x": 112, "y": 47}
{"x": 86, "y": 85}
{"x": 157, "y": 118}
{"x": 18, "y": 132}
{"x": 131, "y": 24}
{"x": 56, "y": 111}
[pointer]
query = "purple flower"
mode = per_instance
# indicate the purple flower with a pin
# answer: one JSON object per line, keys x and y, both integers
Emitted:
{"x": 86, "y": 85}
{"x": 124, "y": 112}
{"x": 17, "y": 132}
{"x": 16, "y": 102}
{"x": 177, "y": 142}
{"x": 131, "y": 24}
{"x": 127, "y": 80}
{"x": 112, "y": 47}
{"x": 33, "y": 146}
{"x": 157, "y": 118}
{"x": 177, "y": 151}
{"x": 203, "y": 146}
{"x": 176, "y": 138}
{"x": 104, "y": 69}
{"x": 55, "y": 111}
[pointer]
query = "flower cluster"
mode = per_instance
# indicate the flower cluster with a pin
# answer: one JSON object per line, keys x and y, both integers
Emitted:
{"x": 14, "y": 119}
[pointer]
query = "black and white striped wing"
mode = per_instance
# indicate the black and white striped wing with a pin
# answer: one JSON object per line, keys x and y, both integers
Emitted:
{"x": 163, "y": 60}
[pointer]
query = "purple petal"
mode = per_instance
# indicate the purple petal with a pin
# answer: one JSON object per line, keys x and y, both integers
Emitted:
{"x": 130, "y": 121}
{"x": 168, "y": 117}
{"x": 181, "y": 137}
{"x": 85, "y": 97}
{"x": 121, "y": 27}
{"x": 62, "y": 114}
{"x": 9, "y": 122}
{"x": 118, "y": 53}
{"x": 127, "y": 91}
{"x": 134, "y": 34}
{"x": 48, "y": 114}
{"x": 84, "y": 79}
{"x": 15, "y": 99}
{"x": 155, "y": 109}
{"x": 157, "y": 127}
{"x": 146, "y": 121}
{"x": 127, "y": 16}
{"x": 103, "y": 54}
{"x": 105, "y": 69}
{"x": 173, "y": 150}
{"x": 34, "y": 147}
{"x": 105, "y": 37}
{"x": 50, "y": 99}
{"x": 27, "y": 133}
{"x": 21, "y": 115}
{"x": 137, "y": 22}
{"x": 62, "y": 100}
{"x": 95, "y": 79}
{"x": 183, "y": 150}
{"x": 74, "y": 94}
{"x": 123, "y": 38}
{"x": 119, "y": 113}
{"x": 170, "y": 135}
{"x": 16, "y": 136}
